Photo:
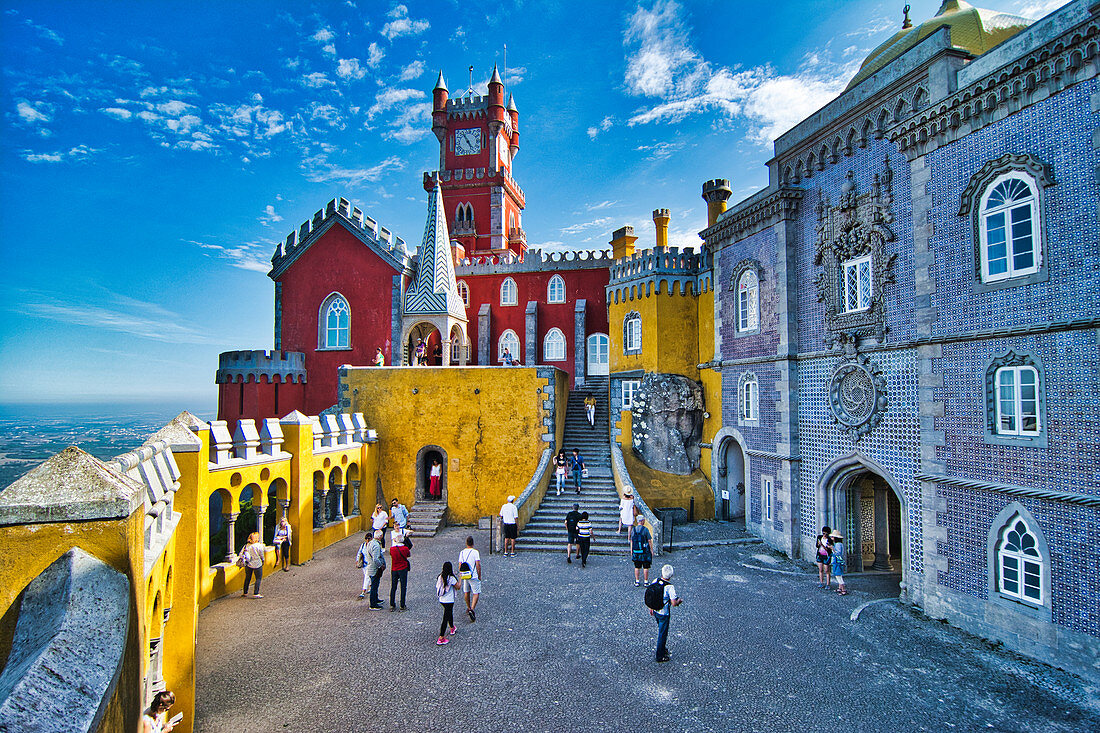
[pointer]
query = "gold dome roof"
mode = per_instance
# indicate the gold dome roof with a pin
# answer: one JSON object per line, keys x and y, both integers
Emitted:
{"x": 972, "y": 29}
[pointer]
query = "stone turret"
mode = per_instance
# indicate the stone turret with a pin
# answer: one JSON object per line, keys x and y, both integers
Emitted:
{"x": 661, "y": 218}
{"x": 622, "y": 242}
{"x": 716, "y": 193}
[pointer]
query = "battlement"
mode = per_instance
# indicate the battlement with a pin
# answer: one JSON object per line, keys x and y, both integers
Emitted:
{"x": 717, "y": 189}
{"x": 533, "y": 261}
{"x": 286, "y": 252}
{"x": 474, "y": 175}
{"x": 658, "y": 268}
{"x": 249, "y": 366}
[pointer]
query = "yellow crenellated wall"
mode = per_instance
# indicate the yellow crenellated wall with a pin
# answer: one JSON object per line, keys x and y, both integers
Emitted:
{"x": 489, "y": 421}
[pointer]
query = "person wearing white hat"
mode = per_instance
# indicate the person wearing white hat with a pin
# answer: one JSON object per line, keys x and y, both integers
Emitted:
{"x": 509, "y": 516}
{"x": 626, "y": 511}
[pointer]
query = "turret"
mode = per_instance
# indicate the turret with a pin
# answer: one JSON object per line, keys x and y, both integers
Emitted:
{"x": 439, "y": 108}
{"x": 660, "y": 222}
{"x": 514, "y": 114}
{"x": 496, "y": 97}
{"x": 716, "y": 193}
{"x": 622, "y": 242}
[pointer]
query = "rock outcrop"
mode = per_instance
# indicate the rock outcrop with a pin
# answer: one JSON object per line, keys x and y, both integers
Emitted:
{"x": 667, "y": 414}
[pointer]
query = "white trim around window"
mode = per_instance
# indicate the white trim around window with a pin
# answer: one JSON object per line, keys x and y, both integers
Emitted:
{"x": 509, "y": 340}
{"x": 509, "y": 293}
{"x": 629, "y": 389}
{"x": 856, "y": 284}
{"x": 464, "y": 292}
{"x": 334, "y": 323}
{"x": 553, "y": 345}
{"x": 555, "y": 290}
{"x": 1010, "y": 227}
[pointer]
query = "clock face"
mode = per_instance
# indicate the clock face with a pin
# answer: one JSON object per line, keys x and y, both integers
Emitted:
{"x": 467, "y": 142}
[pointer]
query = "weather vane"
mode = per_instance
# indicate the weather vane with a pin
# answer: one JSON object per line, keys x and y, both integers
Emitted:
{"x": 906, "y": 23}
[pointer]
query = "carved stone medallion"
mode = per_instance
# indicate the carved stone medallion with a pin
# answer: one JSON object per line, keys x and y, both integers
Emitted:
{"x": 857, "y": 395}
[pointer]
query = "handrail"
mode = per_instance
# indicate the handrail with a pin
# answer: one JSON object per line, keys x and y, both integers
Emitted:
{"x": 623, "y": 482}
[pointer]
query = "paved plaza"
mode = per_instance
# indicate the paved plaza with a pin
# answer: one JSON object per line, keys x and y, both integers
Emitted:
{"x": 756, "y": 646}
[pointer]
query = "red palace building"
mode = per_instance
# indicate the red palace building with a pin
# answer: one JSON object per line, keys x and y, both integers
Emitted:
{"x": 346, "y": 286}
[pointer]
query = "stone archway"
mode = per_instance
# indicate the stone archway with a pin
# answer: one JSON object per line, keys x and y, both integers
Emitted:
{"x": 424, "y": 458}
{"x": 730, "y": 467}
{"x": 863, "y": 501}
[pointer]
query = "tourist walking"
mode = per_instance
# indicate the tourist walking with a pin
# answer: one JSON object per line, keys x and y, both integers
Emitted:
{"x": 571, "y": 520}
{"x": 400, "y": 517}
{"x": 155, "y": 717}
{"x": 435, "y": 477}
{"x": 641, "y": 550}
{"x": 626, "y": 511}
{"x": 838, "y": 562}
{"x": 660, "y": 598}
{"x": 509, "y": 516}
{"x": 379, "y": 358}
{"x": 559, "y": 470}
{"x": 576, "y": 465}
{"x": 590, "y": 409}
{"x": 252, "y": 560}
{"x": 445, "y": 586}
{"x": 400, "y": 549}
{"x": 379, "y": 520}
{"x": 281, "y": 540}
{"x": 469, "y": 572}
{"x": 584, "y": 537}
{"x": 822, "y": 558}
{"x": 373, "y": 562}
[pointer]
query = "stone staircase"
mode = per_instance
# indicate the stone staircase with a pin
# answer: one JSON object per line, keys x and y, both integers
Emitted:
{"x": 426, "y": 518}
{"x": 546, "y": 529}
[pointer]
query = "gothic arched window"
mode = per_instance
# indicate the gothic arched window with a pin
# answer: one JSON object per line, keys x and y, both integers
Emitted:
{"x": 553, "y": 345}
{"x": 508, "y": 342}
{"x": 748, "y": 301}
{"x": 334, "y": 328}
{"x": 555, "y": 290}
{"x": 508, "y": 292}
{"x": 464, "y": 293}
{"x": 632, "y": 333}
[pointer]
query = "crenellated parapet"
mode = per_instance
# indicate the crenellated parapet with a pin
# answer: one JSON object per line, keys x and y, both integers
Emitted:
{"x": 668, "y": 269}
{"x": 250, "y": 366}
{"x": 534, "y": 260}
{"x": 474, "y": 177}
{"x": 389, "y": 246}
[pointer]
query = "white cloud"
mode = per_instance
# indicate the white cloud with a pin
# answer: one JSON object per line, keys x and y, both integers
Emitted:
{"x": 1038, "y": 8}
{"x": 600, "y": 206}
{"x": 329, "y": 50}
{"x": 174, "y": 107}
{"x": 402, "y": 25}
{"x": 409, "y": 125}
{"x": 32, "y": 112}
{"x": 600, "y": 223}
{"x": 316, "y": 80}
{"x": 42, "y": 157}
{"x": 350, "y": 69}
{"x": 374, "y": 55}
{"x": 269, "y": 216}
{"x": 129, "y": 316}
{"x": 319, "y": 170}
{"x": 389, "y": 98}
{"x": 514, "y": 75}
{"x": 604, "y": 126}
{"x": 412, "y": 71}
{"x": 662, "y": 65}
{"x": 79, "y": 152}
{"x": 328, "y": 114}
{"x": 324, "y": 35}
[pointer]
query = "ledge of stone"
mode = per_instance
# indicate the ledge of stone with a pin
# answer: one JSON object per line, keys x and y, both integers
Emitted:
{"x": 179, "y": 434}
{"x": 72, "y": 486}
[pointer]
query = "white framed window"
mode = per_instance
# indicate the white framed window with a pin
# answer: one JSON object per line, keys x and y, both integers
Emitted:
{"x": 769, "y": 490}
{"x": 553, "y": 345}
{"x": 629, "y": 389}
{"x": 748, "y": 301}
{"x": 1009, "y": 227}
{"x": 855, "y": 284}
{"x": 748, "y": 398}
{"x": 1020, "y": 563}
{"x": 555, "y": 290}
{"x": 510, "y": 342}
{"x": 509, "y": 294}
{"x": 335, "y": 323}
{"x": 1017, "y": 401}
{"x": 464, "y": 293}
{"x": 632, "y": 333}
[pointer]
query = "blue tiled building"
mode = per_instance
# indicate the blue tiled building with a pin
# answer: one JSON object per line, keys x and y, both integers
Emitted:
{"x": 908, "y": 327}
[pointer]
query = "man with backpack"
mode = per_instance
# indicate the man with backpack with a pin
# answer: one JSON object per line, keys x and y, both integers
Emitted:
{"x": 641, "y": 549}
{"x": 660, "y": 597}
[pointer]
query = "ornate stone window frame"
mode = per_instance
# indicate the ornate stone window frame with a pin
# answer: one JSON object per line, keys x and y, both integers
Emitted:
{"x": 735, "y": 281}
{"x": 971, "y": 201}
{"x": 746, "y": 384}
{"x": 322, "y": 322}
{"x": 1010, "y": 359}
{"x": 632, "y": 345}
{"x": 857, "y": 226}
{"x": 1001, "y": 524}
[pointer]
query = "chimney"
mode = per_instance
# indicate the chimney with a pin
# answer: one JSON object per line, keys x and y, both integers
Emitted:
{"x": 715, "y": 193}
{"x": 660, "y": 221}
{"x": 622, "y": 242}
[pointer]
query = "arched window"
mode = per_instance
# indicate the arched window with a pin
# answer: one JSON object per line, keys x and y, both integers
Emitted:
{"x": 748, "y": 399}
{"x": 553, "y": 345}
{"x": 334, "y": 328}
{"x": 508, "y": 292}
{"x": 510, "y": 342}
{"x": 1020, "y": 563}
{"x": 748, "y": 301}
{"x": 555, "y": 290}
{"x": 1009, "y": 227}
{"x": 464, "y": 293}
{"x": 632, "y": 333}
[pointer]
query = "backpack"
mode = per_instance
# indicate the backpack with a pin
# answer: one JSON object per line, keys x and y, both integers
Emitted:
{"x": 640, "y": 543}
{"x": 655, "y": 595}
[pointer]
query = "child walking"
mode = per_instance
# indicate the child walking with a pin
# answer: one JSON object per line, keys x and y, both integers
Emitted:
{"x": 445, "y": 590}
{"x": 838, "y": 562}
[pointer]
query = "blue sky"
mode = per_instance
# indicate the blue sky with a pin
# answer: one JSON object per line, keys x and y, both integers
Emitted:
{"x": 152, "y": 153}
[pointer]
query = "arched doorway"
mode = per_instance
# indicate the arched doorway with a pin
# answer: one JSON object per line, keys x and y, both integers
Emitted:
{"x": 861, "y": 500}
{"x": 427, "y": 457}
{"x": 736, "y": 480}
{"x": 460, "y": 350}
{"x": 730, "y": 477}
{"x": 432, "y": 341}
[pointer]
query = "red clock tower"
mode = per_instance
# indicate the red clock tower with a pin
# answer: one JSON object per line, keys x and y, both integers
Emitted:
{"x": 478, "y": 140}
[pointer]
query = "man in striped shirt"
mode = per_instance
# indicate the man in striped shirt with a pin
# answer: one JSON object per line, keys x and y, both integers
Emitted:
{"x": 584, "y": 537}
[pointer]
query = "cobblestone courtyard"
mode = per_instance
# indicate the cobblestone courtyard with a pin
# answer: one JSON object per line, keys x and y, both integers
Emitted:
{"x": 756, "y": 646}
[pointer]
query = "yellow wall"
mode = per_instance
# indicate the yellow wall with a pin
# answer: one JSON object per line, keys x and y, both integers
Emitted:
{"x": 711, "y": 379}
{"x": 670, "y": 334}
{"x": 488, "y": 420}
{"x": 31, "y": 548}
